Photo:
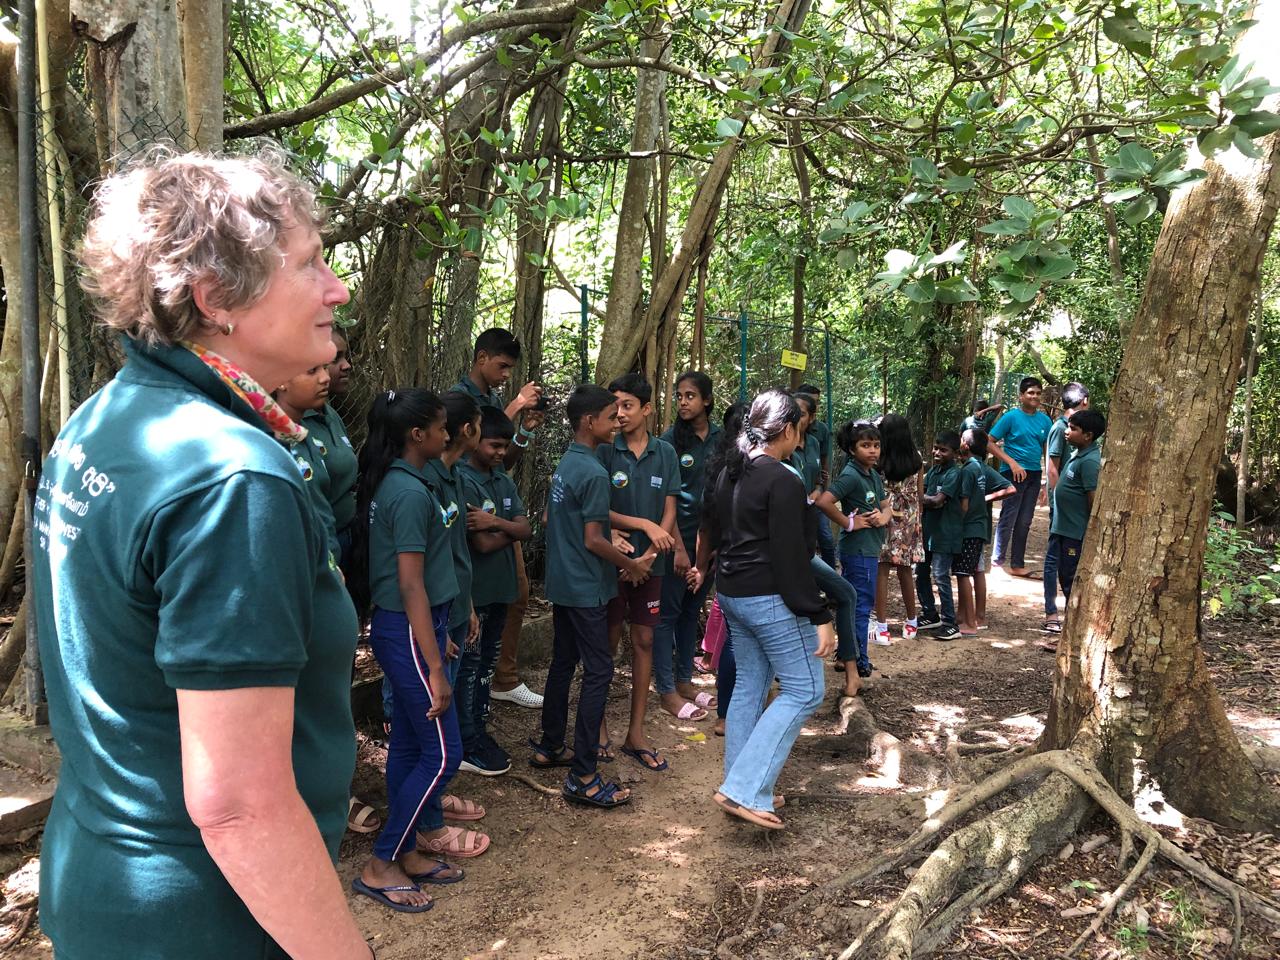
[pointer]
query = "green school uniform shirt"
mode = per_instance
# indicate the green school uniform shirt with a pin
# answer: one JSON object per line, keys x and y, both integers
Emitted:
{"x": 1056, "y": 445}
{"x": 405, "y": 517}
{"x": 693, "y": 465}
{"x": 1070, "y": 496}
{"x": 493, "y": 574}
{"x": 327, "y": 429}
{"x": 808, "y": 460}
{"x": 943, "y": 526}
{"x": 1023, "y": 436}
{"x": 639, "y": 488}
{"x": 973, "y": 487}
{"x": 579, "y": 495}
{"x": 467, "y": 385}
{"x": 995, "y": 480}
{"x": 860, "y": 490}
{"x": 446, "y": 484}
{"x": 176, "y": 548}
{"x": 822, "y": 432}
{"x": 310, "y": 459}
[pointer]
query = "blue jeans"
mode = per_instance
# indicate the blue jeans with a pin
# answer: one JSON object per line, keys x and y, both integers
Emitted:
{"x": 726, "y": 674}
{"x": 939, "y": 564}
{"x": 1016, "y": 514}
{"x": 826, "y": 542}
{"x": 769, "y": 641}
{"x": 862, "y": 572}
{"x": 841, "y": 591}
{"x": 1051, "y": 575}
{"x": 676, "y": 634}
{"x": 1068, "y": 552}
{"x": 423, "y": 754}
{"x": 475, "y": 674}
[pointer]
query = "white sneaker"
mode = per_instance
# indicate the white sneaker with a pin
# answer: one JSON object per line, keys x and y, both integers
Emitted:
{"x": 521, "y": 696}
{"x": 908, "y": 631}
{"x": 881, "y": 637}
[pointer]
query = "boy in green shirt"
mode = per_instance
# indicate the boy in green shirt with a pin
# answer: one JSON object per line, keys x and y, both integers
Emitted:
{"x": 1073, "y": 496}
{"x": 496, "y": 521}
{"x": 973, "y": 535}
{"x": 644, "y": 483}
{"x": 1074, "y": 397}
{"x": 580, "y": 582}
{"x": 973, "y": 444}
{"x": 943, "y": 526}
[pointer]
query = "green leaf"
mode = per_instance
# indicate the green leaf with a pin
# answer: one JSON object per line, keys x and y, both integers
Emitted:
{"x": 921, "y": 291}
{"x": 1056, "y": 268}
{"x": 847, "y": 258}
{"x": 924, "y": 170}
{"x": 953, "y": 254}
{"x": 1244, "y": 143}
{"x": 1005, "y": 228}
{"x": 1165, "y": 126}
{"x": 913, "y": 123}
{"x": 1024, "y": 292}
{"x": 1135, "y": 158}
{"x": 1211, "y": 141}
{"x": 1124, "y": 193}
{"x": 1125, "y": 30}
{"x": 379, "y": 142}
{"x": 1258, "y": 123}
{"x": 1019, "y": 208}
{"x": 1139, "y": 210}
{"x": 1044, "y": 32}
{"x": 956, "y": 290}
{"x": 831, "y": 235}
{"x": 739, "y": 64}
{"x": 727, "y": 127}
{"x": 959, "y": 184}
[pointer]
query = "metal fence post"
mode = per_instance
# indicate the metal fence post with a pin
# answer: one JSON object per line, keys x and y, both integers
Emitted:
{"x": 742, "y": 354}
{"x": 584, "y": 299}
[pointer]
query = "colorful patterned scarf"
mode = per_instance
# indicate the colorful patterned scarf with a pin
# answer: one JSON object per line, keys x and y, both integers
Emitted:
{"x": 247, "y": 389}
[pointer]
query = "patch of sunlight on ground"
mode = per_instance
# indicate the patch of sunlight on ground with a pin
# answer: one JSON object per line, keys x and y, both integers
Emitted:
{"x": 943, "y": 718}
{"x": 1256, "y": 726}
{"x": 666, "y": 850}
{"x": 1149, "y": 803}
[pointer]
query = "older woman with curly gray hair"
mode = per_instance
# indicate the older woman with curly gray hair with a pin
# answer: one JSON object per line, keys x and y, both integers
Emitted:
{"x": 196, "y": 636}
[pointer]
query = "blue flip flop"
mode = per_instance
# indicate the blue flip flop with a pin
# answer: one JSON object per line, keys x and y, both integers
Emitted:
{"x": 379, "y": 894}
{"x": 639, "y": 754}
{"x": 433, "y": 875}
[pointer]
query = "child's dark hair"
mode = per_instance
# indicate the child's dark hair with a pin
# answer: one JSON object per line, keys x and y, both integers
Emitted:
{"x": 899, "y": 457}
{"x": 810, "y": 389}
{"x": 1090, "y": 421}
{"x": 977, "y": 441}
{"x": 393, "y": 414}
{"x": 1026, "y": 383}
{"x": 770, "y": 414}
{"x": 586, "y": 401}
{"x": 947, "y": 438}
{"x": 460, "y": 409}
{"x": 725, "y": 446}
{"x": 495, "y": 425}
{"x": 497, "y": 342}
{"x": 808, "y": 401}
{"x": 980, "y": 405}
{"x": 683, "y": 434}
{"x": 634, "y": 384}
{"x": 854, "y": 430}
{"x": 1073, "y": 394}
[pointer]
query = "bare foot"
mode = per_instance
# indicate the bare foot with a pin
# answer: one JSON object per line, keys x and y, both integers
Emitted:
{"x": 719, "y": 728}
{"x": 416, "y": 863}
{"x": 380, "y": 874}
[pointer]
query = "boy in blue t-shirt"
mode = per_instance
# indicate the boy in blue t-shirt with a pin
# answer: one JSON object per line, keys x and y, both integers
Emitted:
{"x": 1020, "y": 436}
{"x": 1073, "y": 496}
{"x": 942, "y": 521}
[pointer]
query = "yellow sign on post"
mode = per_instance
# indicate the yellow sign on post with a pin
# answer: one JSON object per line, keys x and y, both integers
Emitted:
{"x": 794, "y": 360}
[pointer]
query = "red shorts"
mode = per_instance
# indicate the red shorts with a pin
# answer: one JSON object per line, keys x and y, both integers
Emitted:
{"x": 637, "y": 604}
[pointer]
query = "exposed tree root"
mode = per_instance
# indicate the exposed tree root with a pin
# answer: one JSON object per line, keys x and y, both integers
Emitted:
{"x": 725, "y": 950}
{"x": 1115, "y": 896}
{"x": 534, "y": 785}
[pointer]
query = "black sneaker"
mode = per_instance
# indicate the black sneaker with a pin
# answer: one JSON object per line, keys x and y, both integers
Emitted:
{"x": 947, "y": 633}
{"x": 493, "y": 751}
{"x": 480, "y": 761}
{"x": 928, "y": 623}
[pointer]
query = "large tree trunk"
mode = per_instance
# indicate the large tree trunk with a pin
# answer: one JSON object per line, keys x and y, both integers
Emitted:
{"x": 800, "y": 259}
{"x": 1130, "y": 666}
{"x": 203, "y": 53}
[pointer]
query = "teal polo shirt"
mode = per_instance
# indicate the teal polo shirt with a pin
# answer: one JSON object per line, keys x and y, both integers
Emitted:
{"x": 405, "y": 517}
{"x": 467, "y": 385}
{"x": 640, "y": 487}
{"x": 327, "y": 429}
{"x": 973, "y": 487}
{"x": 1056, "y": 445}
{"x": 493, "y": 574}
{"x": 579, "y": 495}
{"x": 808, "y": 460}
{"x": 693, "y": 465}
{"x": 446, "y": 484}
{"x": 176, "y": 547}
{"x": 1070, "y": 496}
{"x": 993, "y": 480}
{"x": 1023, "y": 436}
{"x": 860, "y": 490}
{"x": 943, "y": 526}
{"x": 309, "y": 456}
{"x": 822, "y": 432}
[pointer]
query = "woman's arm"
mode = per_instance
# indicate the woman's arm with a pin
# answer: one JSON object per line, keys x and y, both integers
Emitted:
{"x": 785, "y": 504}
{"x": 238, "y": 784}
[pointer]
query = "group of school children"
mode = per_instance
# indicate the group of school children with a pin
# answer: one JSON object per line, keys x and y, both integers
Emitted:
{"x": 431, "y": 538}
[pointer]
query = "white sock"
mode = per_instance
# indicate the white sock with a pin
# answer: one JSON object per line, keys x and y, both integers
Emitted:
{"x": 913, "y": 622}
{"x": 882, "y": 626}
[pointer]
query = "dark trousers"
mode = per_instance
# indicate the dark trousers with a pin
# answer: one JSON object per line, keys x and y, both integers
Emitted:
{"x": 826, "y": 542}
{"x": 726, "y": 674}
{"x": 1051, "y": 574}
{"x": 475, "y": 674}
{"x": 1016, "y": 514}
{"x": 581, "y": 634}
{"x": 1068, "y": 553}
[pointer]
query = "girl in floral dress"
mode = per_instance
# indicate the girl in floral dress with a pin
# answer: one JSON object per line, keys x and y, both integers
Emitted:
{"x": 901, "y": 467}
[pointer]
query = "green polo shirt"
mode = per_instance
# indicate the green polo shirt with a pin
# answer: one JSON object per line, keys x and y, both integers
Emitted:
{"x": 820, "y": 430}
{"x": 1070, "y": 496}
{"x": 860, "y": 490}
{"x": 693, "y": 465}
{"x": 405, "y": 517}
{"x": 808, "y": 460}
{"x": 973, "y": 487}
{"x": 177, "y": 547}
{"x": 309, "y": 457}
{"x": 579, "y": 495}
{"x": 993, "y": 480}
{"x": 446, "y": 483}
{"x": 327, "y": 429}
{"x": 467, "y": 385}
{"x": 943, "y": 526}
{"x": 493, "y": 574}
{"x": 639, "y": 488}
{"x": 1056, "y": 445}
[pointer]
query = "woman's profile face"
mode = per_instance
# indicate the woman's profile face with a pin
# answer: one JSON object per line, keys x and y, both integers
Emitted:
{"x": 291, "y": 326}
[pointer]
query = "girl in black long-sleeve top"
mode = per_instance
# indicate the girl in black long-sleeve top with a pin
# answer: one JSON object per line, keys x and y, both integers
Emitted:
{"x": 764, "y": 536}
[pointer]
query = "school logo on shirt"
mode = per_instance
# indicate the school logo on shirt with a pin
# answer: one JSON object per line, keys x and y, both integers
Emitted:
{"x": 686, "y": 460}
{"x": 619, "y": 479}
{"x": 870, "y": 497}
{"x": 449, "y": 514}
{"x": 488, "y": 506}
{"x": 324, "y": 451}
{"x": 655, "y": 482}
{"x": 506, "y": 503}
{"x": 303, "y": 467}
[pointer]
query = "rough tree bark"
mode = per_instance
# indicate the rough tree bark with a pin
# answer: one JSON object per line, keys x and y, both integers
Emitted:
{"x": 800, "y": 260}
{"x": 1242, "y": 465}
{"x": 203, "y": 52}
